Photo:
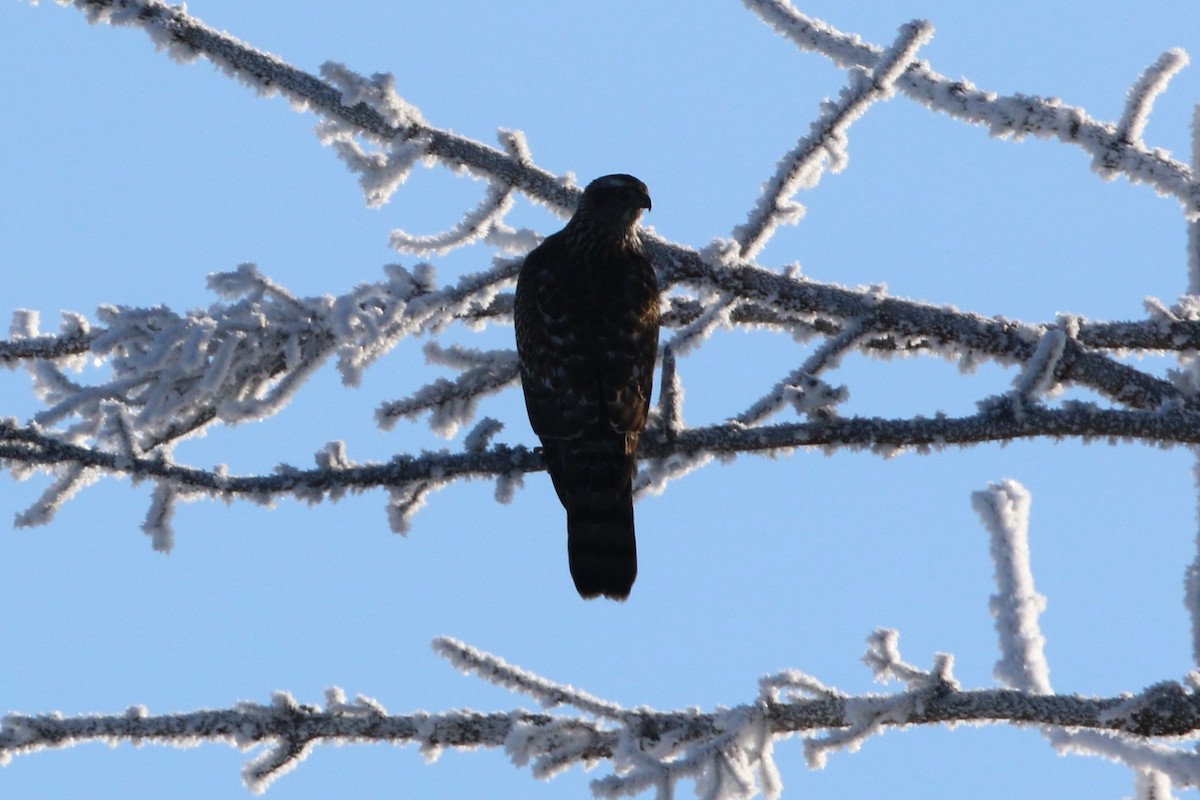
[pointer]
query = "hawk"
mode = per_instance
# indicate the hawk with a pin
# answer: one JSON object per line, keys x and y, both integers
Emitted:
{"x": 587, "y": 319}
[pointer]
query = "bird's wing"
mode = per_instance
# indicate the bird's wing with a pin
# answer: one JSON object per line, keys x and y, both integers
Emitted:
{"x": 588, "y": 337}
{"x": 550, "y": 338}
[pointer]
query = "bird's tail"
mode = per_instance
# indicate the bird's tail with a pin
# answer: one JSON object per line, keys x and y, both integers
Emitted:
{"x": 595, "y": 485}
{"x": 602, "y": 550}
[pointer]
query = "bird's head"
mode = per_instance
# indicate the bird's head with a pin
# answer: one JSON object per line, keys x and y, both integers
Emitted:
{"x": 618, "y": 198}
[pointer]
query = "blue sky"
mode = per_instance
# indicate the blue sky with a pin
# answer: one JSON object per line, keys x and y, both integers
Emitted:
{"x": 128, "y": 179}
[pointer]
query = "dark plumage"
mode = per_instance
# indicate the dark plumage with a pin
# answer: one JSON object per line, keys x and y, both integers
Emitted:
{"x": 587, "y": 335}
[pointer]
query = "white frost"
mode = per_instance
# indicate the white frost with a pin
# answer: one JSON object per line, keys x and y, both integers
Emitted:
{"x": 1004, "y": 509}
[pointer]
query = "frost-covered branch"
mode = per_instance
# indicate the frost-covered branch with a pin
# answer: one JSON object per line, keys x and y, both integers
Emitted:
{"x": 366, "y": 106}
{"x": 1145, "y": 91}
{"x": 496, "y": 670}
{"x": 23, "y": 448}
{"x": 238, "y": 360}
{"x": 647, "y": 747}
{"x": 728, "y": 752}
{"x": 120, "y": 391}
{"x": 244, "y": 358}
{"x": 802, "y": 167}
{"x": 1113, "y": 150}
{"x": 1004, "y": 509}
